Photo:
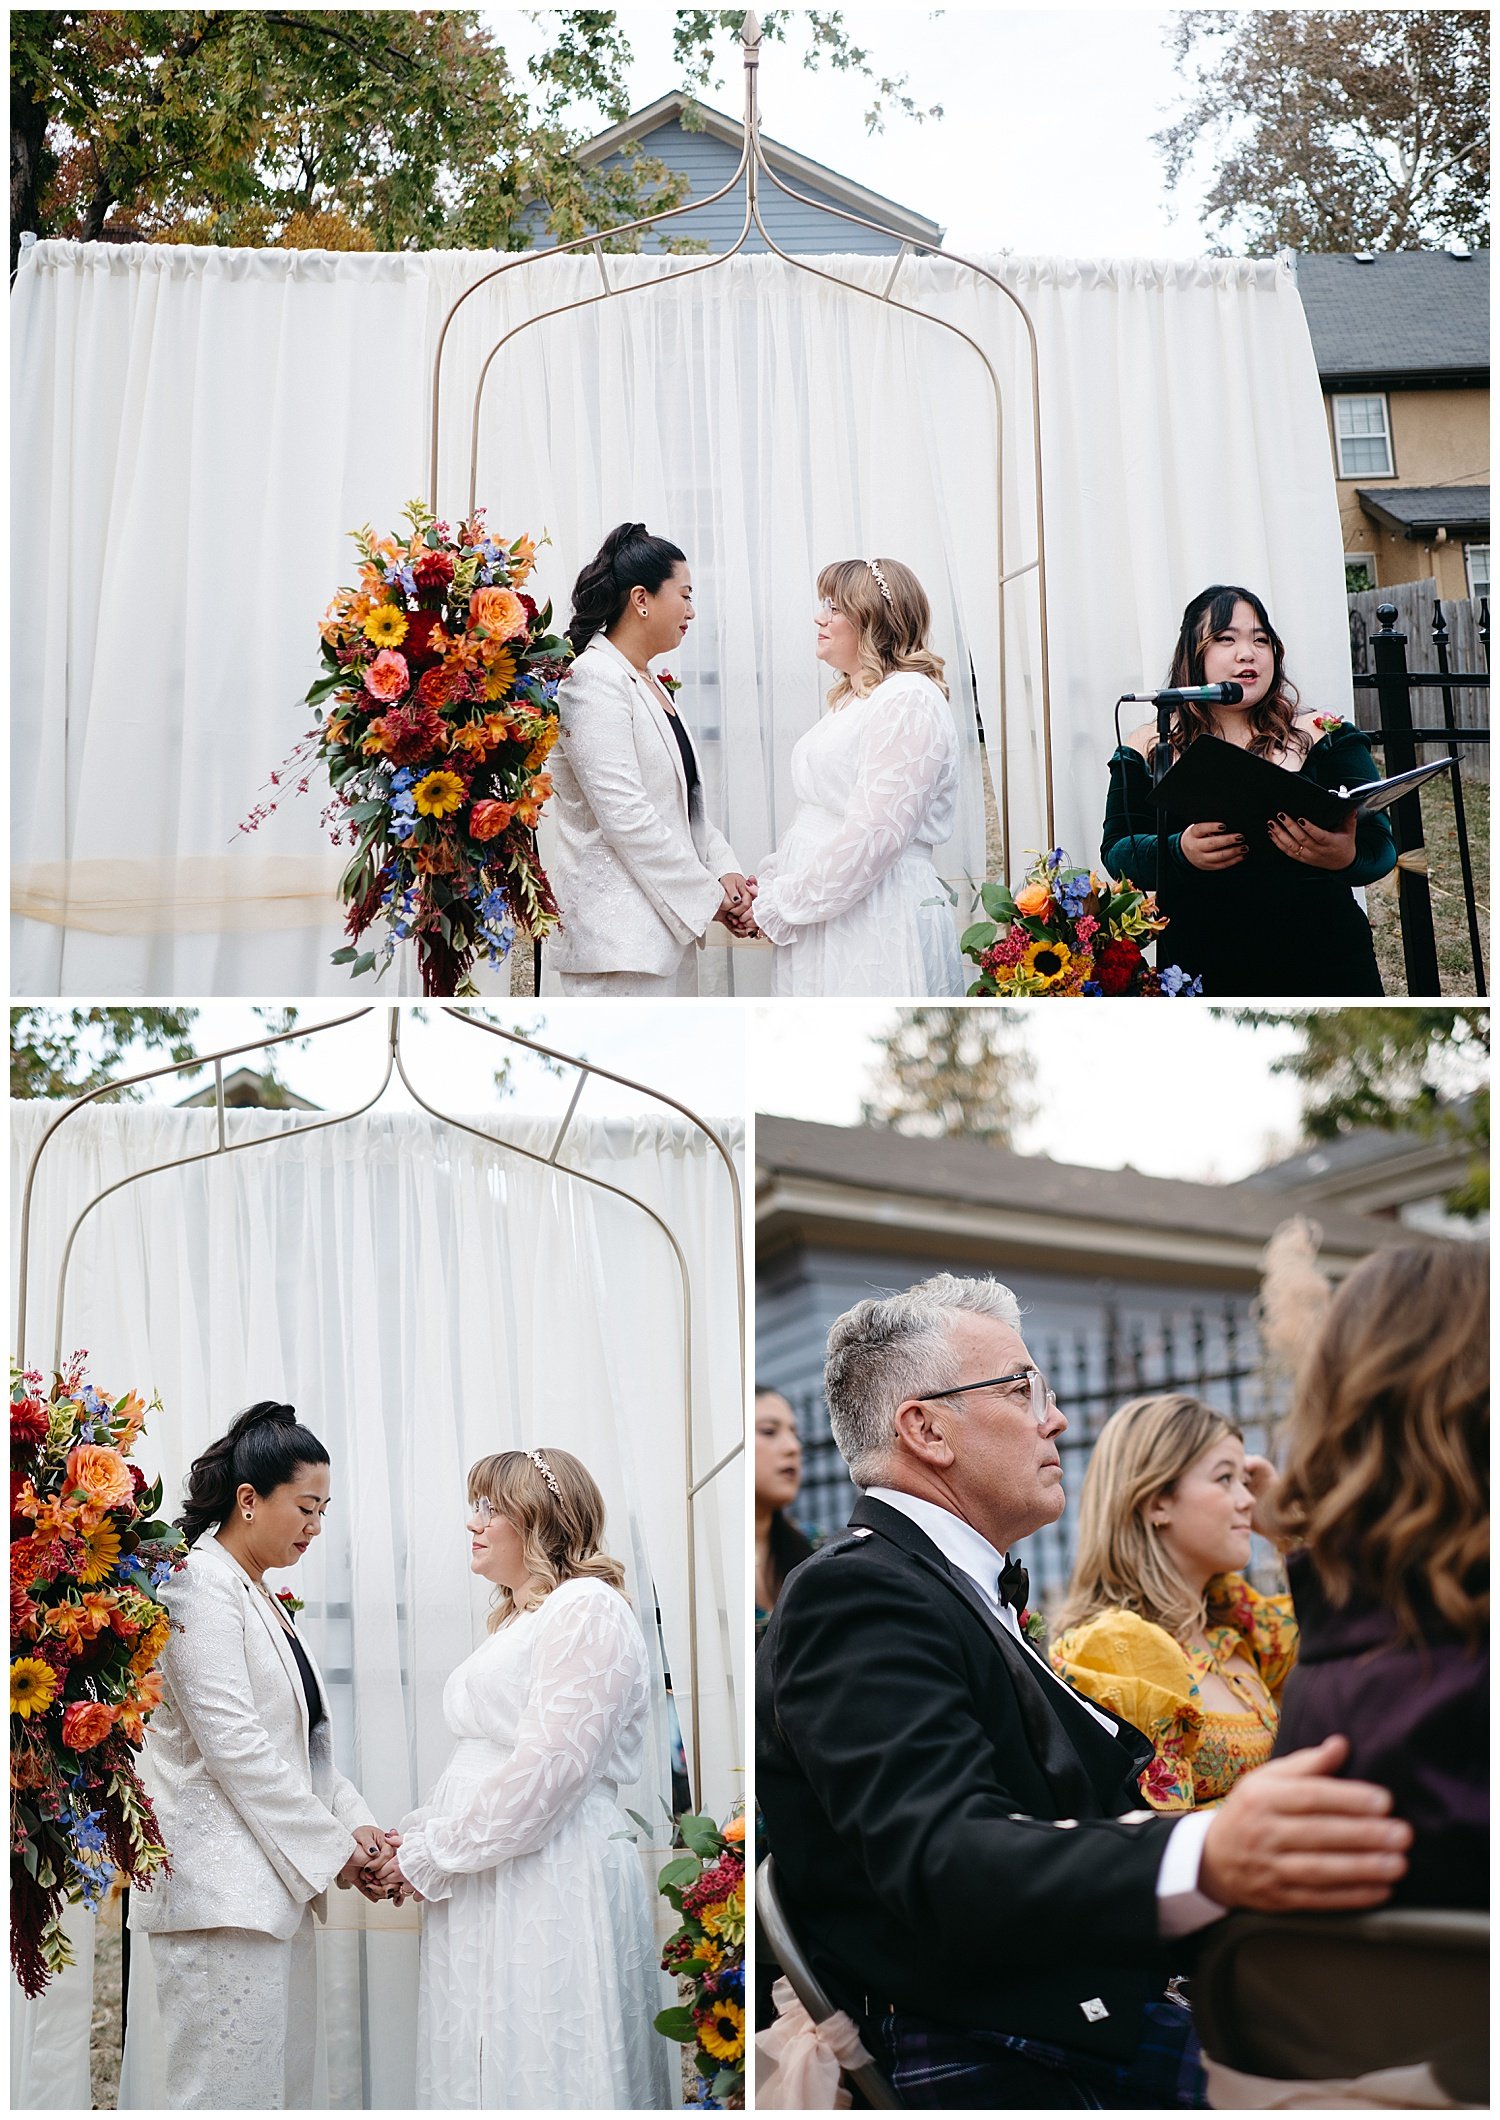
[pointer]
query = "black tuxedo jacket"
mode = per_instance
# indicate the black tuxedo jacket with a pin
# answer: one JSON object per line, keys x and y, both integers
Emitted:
{"x": 949, "y": 1826}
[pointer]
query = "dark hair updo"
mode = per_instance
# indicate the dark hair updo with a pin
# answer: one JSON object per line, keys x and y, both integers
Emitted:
{"x": 630, "y": 558}
{"x": 264, "y": 1448}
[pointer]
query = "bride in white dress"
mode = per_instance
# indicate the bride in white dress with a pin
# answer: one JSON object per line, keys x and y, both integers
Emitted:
{"x": 539, "y": 1973}
{"x": 850, "y": 897}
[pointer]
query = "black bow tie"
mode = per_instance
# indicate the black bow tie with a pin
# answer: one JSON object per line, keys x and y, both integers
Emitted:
{"x": 1014, "y": 1584}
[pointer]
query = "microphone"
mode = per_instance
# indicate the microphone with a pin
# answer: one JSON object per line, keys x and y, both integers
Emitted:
{"x": 1226, "y": 695}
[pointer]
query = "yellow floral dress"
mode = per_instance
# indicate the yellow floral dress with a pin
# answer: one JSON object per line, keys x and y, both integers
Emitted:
{"x": 1136, "y": 1670}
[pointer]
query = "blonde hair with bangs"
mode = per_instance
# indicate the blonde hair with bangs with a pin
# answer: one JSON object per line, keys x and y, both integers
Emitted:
{"x": 892, "y": 636}
{"x": 1142, "y": 1452}
{"x": 561, "y": 1534}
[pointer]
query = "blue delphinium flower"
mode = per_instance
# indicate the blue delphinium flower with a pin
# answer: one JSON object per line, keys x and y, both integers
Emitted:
{"x": 1092, "y": 986}
{"x": 161, "y": 1573}
{"x": 1175, "y": 981}
{"x": 93, "y": 1403}
{"x": 497, "y": 931}
{"x": 402, "y": 779}
{"x": 1072, "y": 895}
{"x": 1055, "y": 860}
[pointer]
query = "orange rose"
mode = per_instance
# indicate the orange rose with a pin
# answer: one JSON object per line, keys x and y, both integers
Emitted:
{"x": 499, "y": 611}
{"x": 103, "y": 1475}
{"x": 388, "y": 677}
{"x": 86, "y": 1723}
{"x": 735, "y": 1830}
{"x": 488, "y": 819}
{"x": 1034, "y": 900}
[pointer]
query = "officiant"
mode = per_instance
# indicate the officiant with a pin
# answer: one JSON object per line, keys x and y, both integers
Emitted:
{"x": 1257, "y": 903}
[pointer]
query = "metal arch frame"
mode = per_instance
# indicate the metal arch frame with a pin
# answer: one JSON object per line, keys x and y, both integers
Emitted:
{"x": 694, "y": 1486}
{"x": 752, "y": 164}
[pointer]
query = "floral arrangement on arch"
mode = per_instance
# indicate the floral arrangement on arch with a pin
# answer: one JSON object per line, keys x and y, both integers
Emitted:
{"x": 706, "y": 1886}
{"x": 88, "y": 1557}
{"x": 440, "y": 676}
{"x": 1068, "y": 931}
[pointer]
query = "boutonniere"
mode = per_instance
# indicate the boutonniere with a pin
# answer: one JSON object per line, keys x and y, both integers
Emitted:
{"x": 290, "y": 1604}
{"x": 670, "y": 685}
{"x": 1034, "y": 1627}
{"x": 1325, "y": 724}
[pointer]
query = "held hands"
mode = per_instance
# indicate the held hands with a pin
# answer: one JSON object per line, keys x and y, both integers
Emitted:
{"x": 368, "y": 1867}
{"x": 1212, "y": 846}
{"x": 1290, "y": 1837}
{"x": 737, "y": 908}
{"x": 1310, "y": 844}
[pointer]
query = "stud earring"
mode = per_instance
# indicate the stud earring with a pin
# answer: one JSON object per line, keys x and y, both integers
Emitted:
{"x": 249, "y": 1519}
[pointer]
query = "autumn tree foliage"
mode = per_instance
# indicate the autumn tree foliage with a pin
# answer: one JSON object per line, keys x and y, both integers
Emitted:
{"x": 1335, "y": 129}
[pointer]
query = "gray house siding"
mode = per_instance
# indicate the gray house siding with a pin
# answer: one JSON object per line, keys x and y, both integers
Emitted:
{"x": 708, "y": 163}
{"x": 1099, "y": 1343}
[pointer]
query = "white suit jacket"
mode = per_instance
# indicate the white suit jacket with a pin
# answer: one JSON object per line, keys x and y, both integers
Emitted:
{"x": 635, "y": 868}
{"x": 257, "y": 1817}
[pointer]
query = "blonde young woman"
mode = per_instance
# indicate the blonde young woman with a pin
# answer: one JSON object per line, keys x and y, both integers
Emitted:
{"x": 1160, "y": 1626}
{"x": 850, "y": 897}
{"x": 539, "y": 1962}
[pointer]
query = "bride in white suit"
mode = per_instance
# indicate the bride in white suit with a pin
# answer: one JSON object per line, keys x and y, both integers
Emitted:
{"x": 638, "y": 867}
{"x": 239, "y": 1763}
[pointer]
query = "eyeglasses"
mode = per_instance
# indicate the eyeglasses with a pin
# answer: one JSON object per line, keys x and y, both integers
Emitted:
{"x": 485, "y": 1510}
{"x": 827, "y": 608}
{"x": 1043, "y": 1398}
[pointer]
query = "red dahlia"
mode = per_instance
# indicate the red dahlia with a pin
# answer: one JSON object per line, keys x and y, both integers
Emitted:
{"x": 417, "y": 648}
{"x": 435, "y": 688}
{"x": 28, "y": 1422}
{"x": 434, "y": 570}
{"x": 411, "y": 733}
{"x": 1117, "y": 965}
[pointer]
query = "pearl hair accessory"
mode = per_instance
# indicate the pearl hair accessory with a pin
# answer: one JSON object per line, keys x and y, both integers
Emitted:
{"x": 546, "y": 1471}
{"x": 881, "y": 582}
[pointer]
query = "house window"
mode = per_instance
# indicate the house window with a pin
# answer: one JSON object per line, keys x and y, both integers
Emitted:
{"x": 1362, "y": 433}
{"x": 1477, "y": 559}
{"x": 1359, "y": 571}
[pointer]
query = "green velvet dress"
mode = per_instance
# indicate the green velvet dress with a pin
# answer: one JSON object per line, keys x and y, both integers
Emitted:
{"x": 1270, "y": 925}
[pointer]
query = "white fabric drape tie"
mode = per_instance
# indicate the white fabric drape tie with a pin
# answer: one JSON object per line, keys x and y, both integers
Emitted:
{"x": 800, "y": 2062}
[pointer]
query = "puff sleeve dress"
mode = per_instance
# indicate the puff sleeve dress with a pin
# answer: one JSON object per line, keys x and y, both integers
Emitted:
{"x": 1138, "y": 1671}
{"x": 539, "y": 1974}
{"x": 850, "y": 896}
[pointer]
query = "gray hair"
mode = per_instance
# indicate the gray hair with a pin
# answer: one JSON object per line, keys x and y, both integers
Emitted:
{"x": 891, "y": 1348}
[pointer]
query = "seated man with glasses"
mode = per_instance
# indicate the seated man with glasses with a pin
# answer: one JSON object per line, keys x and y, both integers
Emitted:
{"x": 960, "y": 1838}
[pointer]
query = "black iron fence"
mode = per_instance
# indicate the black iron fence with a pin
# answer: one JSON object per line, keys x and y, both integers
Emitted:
{"x": 1382, "y": 677}
{"x": 1212, "y": 1351}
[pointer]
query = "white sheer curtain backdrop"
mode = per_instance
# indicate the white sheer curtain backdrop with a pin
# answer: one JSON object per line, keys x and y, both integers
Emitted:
{"x": 421, "y": 1300}
{"x": 195, "y": 430}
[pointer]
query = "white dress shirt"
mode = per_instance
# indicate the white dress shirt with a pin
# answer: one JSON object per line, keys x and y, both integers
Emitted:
{"x": 1181, "y": 1907}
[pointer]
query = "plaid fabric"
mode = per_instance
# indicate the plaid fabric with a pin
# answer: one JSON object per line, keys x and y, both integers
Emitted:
{"x": 938, "y": 2065}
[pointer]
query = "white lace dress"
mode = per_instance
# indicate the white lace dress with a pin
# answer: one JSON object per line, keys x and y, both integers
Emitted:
{"x": 539, "y": 1976}
{"x": 850, "y": 896}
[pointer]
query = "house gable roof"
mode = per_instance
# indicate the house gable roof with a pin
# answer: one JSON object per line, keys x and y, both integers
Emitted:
{"x": 1417, "y": 511}
{"x": 798, "y": 169}
{"x": 1413, "y": 316}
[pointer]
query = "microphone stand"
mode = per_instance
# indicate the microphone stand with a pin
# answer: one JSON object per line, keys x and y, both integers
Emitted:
{"x": 1161, "y": 760}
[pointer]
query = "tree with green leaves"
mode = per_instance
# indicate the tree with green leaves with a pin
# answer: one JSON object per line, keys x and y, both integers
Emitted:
{"x": 64, "y": 1053}
{"x": 386, "y": 129}
{"x": 1335, "y": 129}
{"x": 956, "y": 1074}
{"x": 1404, "y": 1070}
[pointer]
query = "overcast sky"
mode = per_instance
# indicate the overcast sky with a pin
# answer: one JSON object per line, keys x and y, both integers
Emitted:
{"x": 1177, "y": 1092}
{"x": 1044, "y": 145}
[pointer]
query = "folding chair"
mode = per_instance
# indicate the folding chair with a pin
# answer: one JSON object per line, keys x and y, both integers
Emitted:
{"x": 776, "y": 1934}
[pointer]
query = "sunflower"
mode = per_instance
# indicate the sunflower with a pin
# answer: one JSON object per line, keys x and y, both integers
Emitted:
{"x": 721, "y": 2030}
{"x": 1047, "y": 961}
{"x": 101, "y": 1549}
{"x": 33, "y": 1686}
{"x": 386, "y": 626}
{"x": 439, "y": 795}
{"x": 499, "y": 673}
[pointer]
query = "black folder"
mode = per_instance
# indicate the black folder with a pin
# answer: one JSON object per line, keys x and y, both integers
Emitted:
{"x": 1216, "y": 782}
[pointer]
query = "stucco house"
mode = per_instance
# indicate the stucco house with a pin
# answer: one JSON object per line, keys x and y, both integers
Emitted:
{"x": 1402, "y": 341}
{"x": 704, "y": 145}
{"x": 1128, "y": 1283}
